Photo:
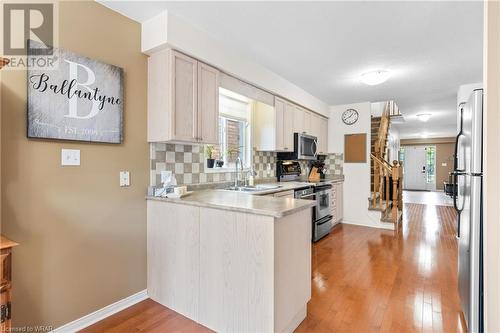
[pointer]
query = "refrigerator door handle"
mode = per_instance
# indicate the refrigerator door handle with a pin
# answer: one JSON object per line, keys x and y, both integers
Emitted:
{"x": 457, "y": 139}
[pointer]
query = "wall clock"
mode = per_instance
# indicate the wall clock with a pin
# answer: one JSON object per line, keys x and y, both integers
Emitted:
{"x": 350, "y": 116}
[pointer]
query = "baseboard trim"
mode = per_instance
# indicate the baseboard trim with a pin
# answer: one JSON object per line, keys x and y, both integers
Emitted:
{"x": 103, "y": 313}
{"x": 379, "y": 225}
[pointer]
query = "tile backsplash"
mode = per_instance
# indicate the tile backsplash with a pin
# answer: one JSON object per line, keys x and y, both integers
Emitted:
{"x": 187, "y": 163}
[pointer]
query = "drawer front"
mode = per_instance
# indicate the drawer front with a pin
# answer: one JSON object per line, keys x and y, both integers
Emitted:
{"x": 284, "y": 194}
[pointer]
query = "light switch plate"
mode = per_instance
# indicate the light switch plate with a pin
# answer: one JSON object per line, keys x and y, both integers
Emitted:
{"x": 70, "y": 157}
{"x": 124, "y": 178}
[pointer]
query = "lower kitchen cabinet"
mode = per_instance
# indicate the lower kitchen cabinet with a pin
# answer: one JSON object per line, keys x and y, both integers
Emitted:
{"x": 337, "y": 202}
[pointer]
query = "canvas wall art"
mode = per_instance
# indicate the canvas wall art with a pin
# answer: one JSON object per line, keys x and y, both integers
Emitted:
{"x": 81, "y": 99}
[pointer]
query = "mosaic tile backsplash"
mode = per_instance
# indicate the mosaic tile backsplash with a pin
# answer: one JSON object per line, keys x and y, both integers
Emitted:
{"x": 187, "y": 163}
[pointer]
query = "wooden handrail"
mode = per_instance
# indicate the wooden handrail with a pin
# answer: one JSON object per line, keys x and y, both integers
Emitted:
{"x": 382, "y": 162}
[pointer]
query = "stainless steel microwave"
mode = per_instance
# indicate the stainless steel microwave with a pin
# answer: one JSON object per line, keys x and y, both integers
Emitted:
{"x": 305, "y": 147}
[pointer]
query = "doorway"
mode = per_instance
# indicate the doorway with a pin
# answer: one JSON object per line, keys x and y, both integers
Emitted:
{"x": 419, "y": 165}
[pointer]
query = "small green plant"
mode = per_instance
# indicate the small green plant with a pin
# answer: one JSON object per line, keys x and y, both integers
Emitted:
{"x": 209, "y": 151}
{"x": 233, "y": 151}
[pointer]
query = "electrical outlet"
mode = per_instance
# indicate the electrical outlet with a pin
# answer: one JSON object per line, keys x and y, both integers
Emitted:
{"x": 124, "y": 178}
{"x": 70, "y": 157}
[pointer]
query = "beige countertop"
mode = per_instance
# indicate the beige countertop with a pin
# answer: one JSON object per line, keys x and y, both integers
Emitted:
{"x": 242, "y": 202}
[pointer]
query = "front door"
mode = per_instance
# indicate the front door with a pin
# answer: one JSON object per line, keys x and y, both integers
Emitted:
{"x": 415, "y": 164}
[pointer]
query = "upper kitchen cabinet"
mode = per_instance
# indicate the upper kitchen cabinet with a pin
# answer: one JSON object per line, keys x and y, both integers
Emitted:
{"x": 183, "y": 102}
{"x": 315, "y": 125}
{"x": 273, "y": 130}
{"x": 323, "y": 136}
{"x": 302, "y": 121}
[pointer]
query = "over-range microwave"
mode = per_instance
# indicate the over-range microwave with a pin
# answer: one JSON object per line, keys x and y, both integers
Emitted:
{"x": 305, "y": 147}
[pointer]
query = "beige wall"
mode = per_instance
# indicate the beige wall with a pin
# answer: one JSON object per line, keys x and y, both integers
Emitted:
{"x": 83, "y": 238}
{"x": 445, "y": 148}
{"x": 492, "y": 166}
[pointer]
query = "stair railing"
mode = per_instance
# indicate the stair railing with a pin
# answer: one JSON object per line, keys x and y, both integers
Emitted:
{"x": 384, "y": 173}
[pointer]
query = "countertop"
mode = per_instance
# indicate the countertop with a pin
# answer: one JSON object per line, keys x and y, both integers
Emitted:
{"x": 242, "y": 202}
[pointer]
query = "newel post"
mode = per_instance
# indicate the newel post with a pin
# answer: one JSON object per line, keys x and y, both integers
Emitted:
{"x": 395, "y": 191}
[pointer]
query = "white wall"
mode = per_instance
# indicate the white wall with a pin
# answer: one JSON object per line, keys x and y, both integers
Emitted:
{"x": 357, "y": 175}
{"x": 167, "y": 30}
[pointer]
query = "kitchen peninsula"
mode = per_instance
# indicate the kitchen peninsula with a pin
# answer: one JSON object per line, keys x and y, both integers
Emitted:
{"x": 230, "y": 261}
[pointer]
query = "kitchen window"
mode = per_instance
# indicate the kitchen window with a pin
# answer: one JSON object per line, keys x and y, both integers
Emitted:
{"x": 234, "y": 130}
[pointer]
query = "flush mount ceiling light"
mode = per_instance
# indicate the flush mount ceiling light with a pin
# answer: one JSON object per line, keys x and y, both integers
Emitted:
{"x": 375, "y": 77}
{"x": 424, "y": 135}
{"x": 424, "y": 117}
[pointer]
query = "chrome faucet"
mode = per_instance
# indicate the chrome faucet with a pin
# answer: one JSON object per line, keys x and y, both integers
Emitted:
{"x": 238, "y": 160}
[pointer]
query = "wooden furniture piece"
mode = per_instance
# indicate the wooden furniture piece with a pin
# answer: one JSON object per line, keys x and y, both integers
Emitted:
{"x": 6, "y": 246}
{"x": 183, "y": 99}
{"x": 355, "y": 148}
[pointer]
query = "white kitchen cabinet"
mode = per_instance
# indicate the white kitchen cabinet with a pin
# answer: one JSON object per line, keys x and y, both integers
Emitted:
{"x": 287, "y": 129}
{"x": 272, "y": 128}
{"x": 337, "y": 202}
{"x": 323, "y": 136}
{"x": 307, "y": 122}
{"x": 199, "y": 261}
{"x": 298, "y": 118}
{"x": 183, "y": 102}
{"x": 208, "y": 104}
{"x": 315, "y": 126}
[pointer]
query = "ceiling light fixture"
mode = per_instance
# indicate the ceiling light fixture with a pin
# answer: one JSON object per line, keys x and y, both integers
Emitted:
{"x": 375, "y": 77}
{"x": 424, "y": 135}
{"x": 424, "y": 117}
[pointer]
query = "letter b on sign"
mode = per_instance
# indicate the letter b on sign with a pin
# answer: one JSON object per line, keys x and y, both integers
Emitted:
{"x": 27, "y": 21}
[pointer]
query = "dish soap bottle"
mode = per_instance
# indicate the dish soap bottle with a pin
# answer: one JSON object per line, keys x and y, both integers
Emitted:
{"x": 251, "y": 179}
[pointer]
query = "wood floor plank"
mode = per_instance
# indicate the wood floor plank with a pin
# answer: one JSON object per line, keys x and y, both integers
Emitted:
{"x": 363, "y": 280}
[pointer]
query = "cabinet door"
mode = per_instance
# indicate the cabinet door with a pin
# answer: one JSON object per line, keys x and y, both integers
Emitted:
{"x": 208, "y": 104}
{"x": 307, "y": 122}
{"x": 315, "y": 122}
{"x": 323, "y": 136}
{"x": 184, "y": 101}
{"x": 340, "y": 201}
{"x": 287, "y": 130}
{"x": 298, "y": 119}
{"x": 279, "y": 109}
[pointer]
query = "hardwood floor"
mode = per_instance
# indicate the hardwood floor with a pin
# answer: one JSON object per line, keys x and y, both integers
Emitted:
{"x": 364, "y": 280}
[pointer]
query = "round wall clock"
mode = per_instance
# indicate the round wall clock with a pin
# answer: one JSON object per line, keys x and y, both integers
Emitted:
{"x": 350, "y": 116}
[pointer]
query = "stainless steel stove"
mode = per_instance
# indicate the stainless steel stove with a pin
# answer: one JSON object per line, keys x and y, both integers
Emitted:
{"x": 322, "y": 220}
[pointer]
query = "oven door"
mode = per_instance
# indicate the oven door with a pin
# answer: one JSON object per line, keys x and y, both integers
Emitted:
{"x": 323, "y": 202}
{"x": 307, "y": 147}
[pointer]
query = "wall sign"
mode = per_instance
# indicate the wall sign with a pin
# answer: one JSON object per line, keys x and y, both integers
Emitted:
{"x": 82, "y": 99}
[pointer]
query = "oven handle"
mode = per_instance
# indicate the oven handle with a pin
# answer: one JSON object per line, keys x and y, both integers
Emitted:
{"x": 307, "y": 195}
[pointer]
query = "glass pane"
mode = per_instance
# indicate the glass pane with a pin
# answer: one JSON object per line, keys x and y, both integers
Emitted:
{"x": 431, "y": 164}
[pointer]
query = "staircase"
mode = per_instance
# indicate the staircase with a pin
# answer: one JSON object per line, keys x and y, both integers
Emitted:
{"x": 386, "y": 178}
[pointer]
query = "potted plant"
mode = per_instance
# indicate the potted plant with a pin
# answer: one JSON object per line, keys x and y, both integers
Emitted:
{"x": 209, "y": 151}
{"x": 233, "y": 151}
{"x": 220, "y": 162}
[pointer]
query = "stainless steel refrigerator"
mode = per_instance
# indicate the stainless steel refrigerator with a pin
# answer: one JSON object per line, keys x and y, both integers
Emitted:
{"x": 468, "y": 201}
